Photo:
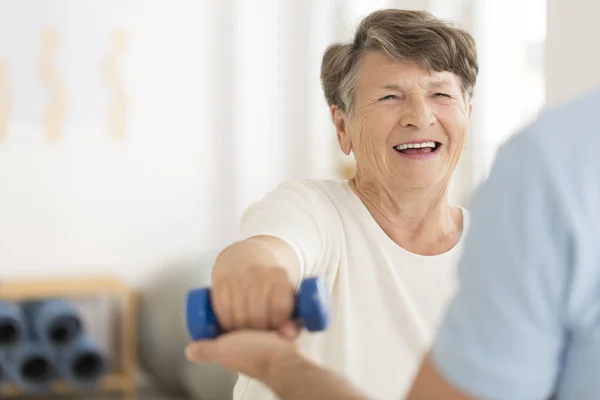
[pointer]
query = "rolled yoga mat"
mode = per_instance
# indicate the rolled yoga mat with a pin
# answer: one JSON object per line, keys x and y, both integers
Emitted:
{"x": 30, "y": 367}
{"x": 81, "y": 363}
{"x": 54, "y": 322}
{"x": 50, "y": 326}
{"x": 12, "y": 326}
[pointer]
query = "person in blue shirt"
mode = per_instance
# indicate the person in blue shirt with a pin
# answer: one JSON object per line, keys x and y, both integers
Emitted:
{"x": 525, "y": 322}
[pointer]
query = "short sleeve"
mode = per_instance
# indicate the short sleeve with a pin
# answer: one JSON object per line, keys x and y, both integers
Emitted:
{"x": 291, "y": 212}
{"x": 502, "y": 335}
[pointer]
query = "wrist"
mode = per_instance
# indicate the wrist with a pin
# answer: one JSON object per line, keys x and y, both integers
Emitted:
{"x": 248, "y": 253}
{"x": 238, "y": 256}
{"x": 282, "y": 374}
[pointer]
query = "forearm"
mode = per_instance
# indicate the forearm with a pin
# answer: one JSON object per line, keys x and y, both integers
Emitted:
{"x": 297, "y": 378}
{"x": 267, "y": 251}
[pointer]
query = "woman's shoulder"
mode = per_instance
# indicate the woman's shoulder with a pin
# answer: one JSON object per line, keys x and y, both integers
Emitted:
{"x": 316, "y": 196}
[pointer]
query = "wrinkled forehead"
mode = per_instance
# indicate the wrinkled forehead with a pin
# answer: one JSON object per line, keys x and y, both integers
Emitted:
{"x": 378, "y": 71}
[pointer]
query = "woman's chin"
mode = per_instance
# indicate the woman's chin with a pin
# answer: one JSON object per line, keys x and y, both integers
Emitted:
{"x": 420, "y": 179}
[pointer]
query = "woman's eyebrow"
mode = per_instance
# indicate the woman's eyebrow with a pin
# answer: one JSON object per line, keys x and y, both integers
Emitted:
{"x": 438, "y": 83}
{"x": 434, "y": 84}
{"x": 393, "y": 87}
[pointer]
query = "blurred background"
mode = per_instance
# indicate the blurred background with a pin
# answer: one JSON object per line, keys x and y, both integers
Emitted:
{"x": 134, "y": 133}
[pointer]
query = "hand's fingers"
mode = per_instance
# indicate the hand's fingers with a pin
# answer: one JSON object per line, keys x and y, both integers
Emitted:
{"x": 270, "y": 309}
{"x": 204, "y": 351}
{"x": 241, "y": 307}
{"x": 221, "y": 299}
{"x": 259, "y": 306}
{"x": 247, "y": 351}
{"x": 289, "y": 330}
{"x": 281, "y": 303}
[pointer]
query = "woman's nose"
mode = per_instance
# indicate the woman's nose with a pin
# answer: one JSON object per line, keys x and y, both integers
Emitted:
{"x": 418, "y": 114}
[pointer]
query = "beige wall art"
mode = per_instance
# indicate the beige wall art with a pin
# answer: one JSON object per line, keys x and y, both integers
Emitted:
{"x": 56, "y": 108}
{"x": 118, "y": 109}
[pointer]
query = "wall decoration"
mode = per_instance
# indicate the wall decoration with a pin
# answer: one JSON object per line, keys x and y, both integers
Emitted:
{"x": 54, "y": 114}
{"x": 118, "y": 109}
{"x": 5, "y": 99}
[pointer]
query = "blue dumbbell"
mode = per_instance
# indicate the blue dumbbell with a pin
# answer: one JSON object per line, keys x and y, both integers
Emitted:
{"x": 311, "y": 310}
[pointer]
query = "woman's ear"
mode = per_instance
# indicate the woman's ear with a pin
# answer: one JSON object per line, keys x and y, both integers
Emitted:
{"x": 338, "y": 117}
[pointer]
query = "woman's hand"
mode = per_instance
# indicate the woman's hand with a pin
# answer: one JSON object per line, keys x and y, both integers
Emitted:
{"x": 252, "y": 286}
{"x": 252, "y": 353}
{"x": 273, "y": 359}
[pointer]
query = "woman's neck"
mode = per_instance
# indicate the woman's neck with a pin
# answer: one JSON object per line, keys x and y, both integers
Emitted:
{"x": 420, "y": 221}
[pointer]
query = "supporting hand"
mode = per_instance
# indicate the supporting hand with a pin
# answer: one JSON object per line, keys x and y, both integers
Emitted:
{"x": 250, "y": 352}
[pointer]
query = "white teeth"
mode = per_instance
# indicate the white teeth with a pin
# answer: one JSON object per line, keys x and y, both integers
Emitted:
{"x": 415, "y": 145}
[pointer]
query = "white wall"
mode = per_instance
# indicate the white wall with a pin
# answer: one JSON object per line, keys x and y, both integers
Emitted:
{"x": 87, "y": 204}
{"x": 223, "y": 102}
{"x": 572, "y": 50}
{"x": 510, "y": 91}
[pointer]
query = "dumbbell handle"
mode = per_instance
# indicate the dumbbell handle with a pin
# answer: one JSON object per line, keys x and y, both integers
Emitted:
{"x": 311, "y": 310}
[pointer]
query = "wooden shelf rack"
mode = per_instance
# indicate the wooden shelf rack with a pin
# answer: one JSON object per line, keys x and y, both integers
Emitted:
{"x": 124, "y": 380}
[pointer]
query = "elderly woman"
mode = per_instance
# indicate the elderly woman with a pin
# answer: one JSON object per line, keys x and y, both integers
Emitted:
{"x": 387, "y": 241}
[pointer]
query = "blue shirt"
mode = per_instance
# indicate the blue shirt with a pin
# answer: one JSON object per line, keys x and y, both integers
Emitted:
{"x": 525, "y": 323}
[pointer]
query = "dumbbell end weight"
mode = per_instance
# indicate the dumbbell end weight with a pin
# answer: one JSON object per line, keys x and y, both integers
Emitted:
{"x": 312, "y": 305}
{"x": 201, "y": 320}
{"x": 311, "y": 311}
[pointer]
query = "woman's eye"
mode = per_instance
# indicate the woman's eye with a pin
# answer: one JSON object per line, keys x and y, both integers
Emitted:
{"x": 442, "y": 95}
{"x": 389, "y": 97}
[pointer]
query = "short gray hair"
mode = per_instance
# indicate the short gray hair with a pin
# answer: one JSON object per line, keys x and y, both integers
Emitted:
{"x": 415, "y": 36}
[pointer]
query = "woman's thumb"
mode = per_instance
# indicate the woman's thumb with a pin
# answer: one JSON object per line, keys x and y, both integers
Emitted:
{"x": 203, "y": 351}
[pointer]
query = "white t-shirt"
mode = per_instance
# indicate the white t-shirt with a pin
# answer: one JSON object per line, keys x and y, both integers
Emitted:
{"x": 386, "y": 302}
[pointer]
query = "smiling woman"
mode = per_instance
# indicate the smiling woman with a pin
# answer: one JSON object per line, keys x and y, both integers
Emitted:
{"x": 387, "y": 240}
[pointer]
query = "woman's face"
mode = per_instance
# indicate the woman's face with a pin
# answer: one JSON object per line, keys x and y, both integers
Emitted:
{"x": 409, "y": 126}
